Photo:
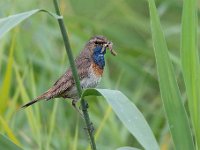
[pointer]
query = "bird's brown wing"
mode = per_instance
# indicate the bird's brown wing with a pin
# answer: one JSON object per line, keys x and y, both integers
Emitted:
{"x": 66, "y": 81}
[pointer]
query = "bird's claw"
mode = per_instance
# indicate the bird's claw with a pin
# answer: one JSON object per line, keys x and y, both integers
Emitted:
{"x": 76, "y": 108}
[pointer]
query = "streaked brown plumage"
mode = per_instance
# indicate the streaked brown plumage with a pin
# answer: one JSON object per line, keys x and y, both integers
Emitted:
{"x": 87, "y": 66}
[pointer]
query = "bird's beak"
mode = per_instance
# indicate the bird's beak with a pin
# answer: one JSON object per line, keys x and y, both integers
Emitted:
{"x": 109, "y": 45}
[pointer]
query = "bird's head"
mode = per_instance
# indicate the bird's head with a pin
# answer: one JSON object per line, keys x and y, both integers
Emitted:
{"x": 96, "y": 49}
{"x": 98, "y": 45}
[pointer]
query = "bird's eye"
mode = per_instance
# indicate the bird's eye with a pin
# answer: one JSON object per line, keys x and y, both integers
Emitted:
{"x": 99, "y": 42}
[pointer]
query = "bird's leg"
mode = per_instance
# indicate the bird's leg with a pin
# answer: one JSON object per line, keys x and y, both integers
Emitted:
{"x": 86, "y": 106}
{"x": 91, "y": 127}
{"x": 74, "y": 101}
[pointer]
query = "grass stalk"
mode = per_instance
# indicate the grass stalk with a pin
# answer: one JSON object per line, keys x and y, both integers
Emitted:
{"x": 75, "y": 75}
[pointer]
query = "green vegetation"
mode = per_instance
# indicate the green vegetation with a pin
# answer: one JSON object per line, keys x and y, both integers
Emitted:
{"x": 32, "y": 57}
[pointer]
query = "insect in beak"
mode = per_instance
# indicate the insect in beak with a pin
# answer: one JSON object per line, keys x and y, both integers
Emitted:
{"x": 109, "y": 45}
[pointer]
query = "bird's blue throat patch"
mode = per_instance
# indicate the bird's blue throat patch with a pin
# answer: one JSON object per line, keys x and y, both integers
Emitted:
{"x": 98, "y": 57}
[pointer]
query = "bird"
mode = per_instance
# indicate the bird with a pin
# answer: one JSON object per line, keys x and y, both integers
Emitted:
{"x": 90, "y": 65}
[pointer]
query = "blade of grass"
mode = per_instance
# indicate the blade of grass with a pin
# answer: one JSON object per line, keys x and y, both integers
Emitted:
{"x": 5, "y": 88}
{"x": 32, "y": 119}
{"x": 52, "y": 124}
{"x": 12, "y": 106}
{"x": 25, "y": 98}
{"x": 7, "y": 23}
{"x": 174, "y": 108}
{"x": 5, "y": 143}
{"x": 33, "y": 88}
{"x": 190, "y": 63}
{"x": 8, "y": 131}
{"x": 37, "y": 110}
{"x": 129, "y": 115}
{"x": 75, "y": 140}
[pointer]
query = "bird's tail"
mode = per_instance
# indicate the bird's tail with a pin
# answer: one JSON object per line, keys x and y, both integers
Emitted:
{"x": 41, "y": 97}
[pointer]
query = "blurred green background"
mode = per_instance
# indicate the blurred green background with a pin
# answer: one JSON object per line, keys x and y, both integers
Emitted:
{"x": 39, "y": 58}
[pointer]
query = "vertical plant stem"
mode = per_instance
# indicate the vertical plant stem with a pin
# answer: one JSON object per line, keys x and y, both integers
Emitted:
{"x": 75, "y": 75}
{"x": 68, "y": 49}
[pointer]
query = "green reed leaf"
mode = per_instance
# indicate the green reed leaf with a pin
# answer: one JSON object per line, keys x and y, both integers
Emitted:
{"x": 190, "y": 63}
{"x": 129, "y": 115}
{"x": 174, "y": 108}
{"x": 7, "y": 23}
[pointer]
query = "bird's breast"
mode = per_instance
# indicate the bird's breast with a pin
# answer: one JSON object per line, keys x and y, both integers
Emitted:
{"x": 94, "y": 77}
{"x": 90, "y": 81}
{"x": 96, "y": 70}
